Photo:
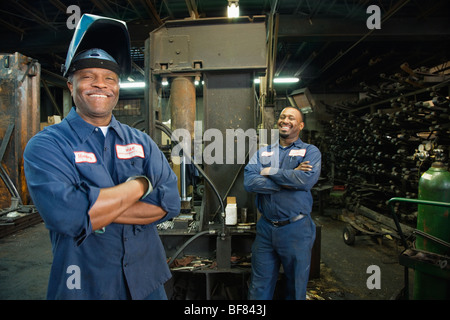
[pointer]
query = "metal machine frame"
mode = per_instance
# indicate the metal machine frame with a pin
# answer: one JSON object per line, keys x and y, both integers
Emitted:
{"x": 227, "y": 66}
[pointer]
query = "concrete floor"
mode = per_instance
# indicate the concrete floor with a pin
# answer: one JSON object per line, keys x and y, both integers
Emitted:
{"x": 25, "y": 260}
{"x": 344, "y": 268}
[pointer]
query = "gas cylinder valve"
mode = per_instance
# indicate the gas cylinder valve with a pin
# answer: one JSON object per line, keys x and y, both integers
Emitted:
{"x": 439, "y": 154}
{"x": 422, "y": 152}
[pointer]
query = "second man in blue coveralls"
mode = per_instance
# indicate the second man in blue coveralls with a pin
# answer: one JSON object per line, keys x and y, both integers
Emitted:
{"x": 282, "y": 176}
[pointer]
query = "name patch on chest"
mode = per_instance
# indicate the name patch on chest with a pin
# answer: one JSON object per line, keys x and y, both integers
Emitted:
{"x": 266, "y": 153}
{"x": 297, "y": 153}
{"x": 129, "y": 151}
{"x": 82, "y": 156}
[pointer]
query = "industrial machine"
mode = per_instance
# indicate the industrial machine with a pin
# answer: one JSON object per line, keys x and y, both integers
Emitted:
{"x": 204, "y": 84}
{"x": 19, "y": 121}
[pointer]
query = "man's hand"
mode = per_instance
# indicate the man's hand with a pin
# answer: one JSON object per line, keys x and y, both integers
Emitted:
{"x": 265, "y": 171}
{"x": 304, "y": 166}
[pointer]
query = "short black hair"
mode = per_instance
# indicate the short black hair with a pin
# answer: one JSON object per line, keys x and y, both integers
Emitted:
{"x": 296, "y": 108}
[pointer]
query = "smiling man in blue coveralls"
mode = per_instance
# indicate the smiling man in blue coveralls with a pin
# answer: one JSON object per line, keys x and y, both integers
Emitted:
{"x": 282, "y": 175}
{"x": 101, "y": 187}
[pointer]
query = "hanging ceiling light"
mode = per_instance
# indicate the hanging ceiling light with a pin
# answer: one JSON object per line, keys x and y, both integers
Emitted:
{"x": 132, "y": 85}
{"x": 286, "y": 80}
{"x": 233, "y": 9}
{"x": 281, "y": 80}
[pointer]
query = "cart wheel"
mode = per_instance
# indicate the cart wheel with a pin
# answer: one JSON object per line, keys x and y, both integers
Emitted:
{"x": 349, "y": 235}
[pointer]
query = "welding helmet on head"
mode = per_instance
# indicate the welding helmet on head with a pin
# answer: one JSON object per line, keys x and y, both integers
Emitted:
{"x": 99, "y": 38}
{"x": 94, "y": 58}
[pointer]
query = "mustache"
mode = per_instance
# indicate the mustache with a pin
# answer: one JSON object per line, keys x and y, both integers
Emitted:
{"x": 97, "y": 91}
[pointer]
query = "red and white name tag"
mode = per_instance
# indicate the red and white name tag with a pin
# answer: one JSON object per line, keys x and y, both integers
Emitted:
{"x": 297, "y": 153}
{"x": 129, "y": 151}
{"x": 266, "y": 153}
{"x": 82, "y": 156}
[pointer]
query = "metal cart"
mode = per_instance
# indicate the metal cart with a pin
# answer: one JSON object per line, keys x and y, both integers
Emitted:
{"x": 365, "y": 221}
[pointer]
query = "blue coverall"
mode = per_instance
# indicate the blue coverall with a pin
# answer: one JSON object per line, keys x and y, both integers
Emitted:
{"x": 66, "y": 165}
{"x": 283, "y": 195}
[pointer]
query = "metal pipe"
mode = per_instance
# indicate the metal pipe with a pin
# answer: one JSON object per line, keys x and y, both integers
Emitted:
{"x": 166, "y": 130}
{"x": 182, "y": 104}
{"x": 416, "y": 201}
{"x": 187, "y": 243}
{"x": 183, "y": 178}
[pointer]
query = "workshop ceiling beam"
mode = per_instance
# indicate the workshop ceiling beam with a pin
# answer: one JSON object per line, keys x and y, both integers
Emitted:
{"x": 12, "y": 27}
{"x": 31, "y": 12}
{"x": 192, "y": 8}
{"x": 104, "y": 7}
{"x": 169, "y": 10}
{"x": 59, "y": 5}
{"x": 302, "y": 29}
{"x": 135, "y": 10}
{"x": 151, "y": 10}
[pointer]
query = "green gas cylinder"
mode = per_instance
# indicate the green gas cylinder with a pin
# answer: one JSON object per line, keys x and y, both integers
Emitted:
{"x": 434, "y": 185}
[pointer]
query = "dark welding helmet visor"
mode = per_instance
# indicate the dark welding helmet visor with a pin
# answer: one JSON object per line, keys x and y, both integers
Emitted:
{"x": 100, "y": 33}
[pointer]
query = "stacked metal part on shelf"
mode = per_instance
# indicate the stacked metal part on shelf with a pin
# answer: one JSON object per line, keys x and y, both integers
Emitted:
{"x": 390, "y": 137}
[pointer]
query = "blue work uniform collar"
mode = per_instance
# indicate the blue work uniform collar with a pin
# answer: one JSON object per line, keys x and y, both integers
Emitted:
{"x": 297, "y": 143}
{"x": 84, "y": 129}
